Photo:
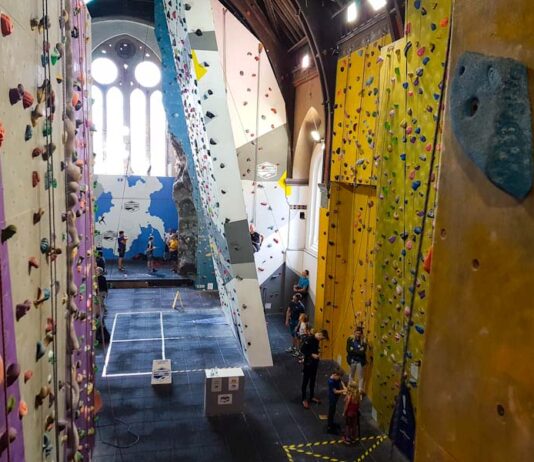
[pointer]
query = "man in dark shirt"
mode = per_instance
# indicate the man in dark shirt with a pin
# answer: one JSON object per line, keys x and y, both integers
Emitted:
{"x": 122, "y": 249}
{"x": 294, "y": 310}
{"x": 310, "y": 351}
{"x": 335, "y": 389}
{"x": 255, "y": 237}
{"x": 100, "y": 261}
{"x": 356, "y": 357}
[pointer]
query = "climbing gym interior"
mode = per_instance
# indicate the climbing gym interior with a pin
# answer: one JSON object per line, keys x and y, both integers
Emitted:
{"x": 266, "y": 230}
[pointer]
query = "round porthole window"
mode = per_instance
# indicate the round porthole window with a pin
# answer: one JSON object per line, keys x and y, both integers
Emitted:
{"x": 104, "y": 71}
{"x": 147, "y": 74}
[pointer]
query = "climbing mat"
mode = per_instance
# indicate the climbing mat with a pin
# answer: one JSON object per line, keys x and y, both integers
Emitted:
{"x": 46, "y": 232}
{"x": 408, "y": 155}
{"x": 200, "y": 76}
{"x": 478, "y": 353}
{"x": 347, "y": 230}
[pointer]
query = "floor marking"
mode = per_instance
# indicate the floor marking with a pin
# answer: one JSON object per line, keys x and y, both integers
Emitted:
{"x": 162, "y": 335}
{"x": 303, "y": 448}
{"x": 133, "y": 374}
{"x": 105, "y": 368}
{"x": 138, "y": 340}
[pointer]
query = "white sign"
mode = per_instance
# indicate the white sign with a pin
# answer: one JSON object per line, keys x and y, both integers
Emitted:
{"x": 223, "y": 400}
{"x": 233, "y": 383}
{"x": 216, "y": 385}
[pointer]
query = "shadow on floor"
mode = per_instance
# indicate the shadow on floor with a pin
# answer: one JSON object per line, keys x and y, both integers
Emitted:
{"x": 170, "y": 424}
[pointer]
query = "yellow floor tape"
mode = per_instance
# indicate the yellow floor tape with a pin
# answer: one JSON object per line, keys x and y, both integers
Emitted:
{"x": 303, "y": 448}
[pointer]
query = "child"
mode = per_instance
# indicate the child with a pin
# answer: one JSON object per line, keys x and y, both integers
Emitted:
{"x": 351, "y": 412}
{"x": 335, "y": 388}
{"x": 302, "y": 328}
{"x": 150, "y": 254}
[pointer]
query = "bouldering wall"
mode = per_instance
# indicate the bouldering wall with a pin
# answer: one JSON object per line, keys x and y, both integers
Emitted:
{"x": 46, "y": 220}
{"x": 347, "y": 227}
{"x": 201, "y": 80}
{"x": 408, "y": 155}
{"x": 478, "y": 350}
{"x": 140, "y": 206}
{"x": 258, "y": 117}
{"x": 205, "y": 273}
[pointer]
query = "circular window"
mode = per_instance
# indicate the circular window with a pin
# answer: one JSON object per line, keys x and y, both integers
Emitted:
{"x": 125, "y": 49}
{"x": 104, "y": 71}
{"x": 147, "y": 74}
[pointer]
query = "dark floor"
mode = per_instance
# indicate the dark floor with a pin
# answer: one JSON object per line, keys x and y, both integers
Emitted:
{"x": 171, "y": 425}
{"x": 137, "y": 271}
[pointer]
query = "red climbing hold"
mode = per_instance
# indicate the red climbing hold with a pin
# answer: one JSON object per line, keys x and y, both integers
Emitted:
{"x": 7, "y": 25}
{"x": 427, "y": 264}
{"x": 2, "y": 134}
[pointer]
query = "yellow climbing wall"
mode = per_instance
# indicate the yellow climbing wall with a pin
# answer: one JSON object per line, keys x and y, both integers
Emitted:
{"x": 408, "y": 155}
{"x": 479, "y": 346}
{"x": 347, "y": 228}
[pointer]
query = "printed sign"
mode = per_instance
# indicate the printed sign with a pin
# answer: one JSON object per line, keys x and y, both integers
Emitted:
{"x": 216, "y": 385}
{"x": 233, "y": 383}
{"x": 224, "y": 400}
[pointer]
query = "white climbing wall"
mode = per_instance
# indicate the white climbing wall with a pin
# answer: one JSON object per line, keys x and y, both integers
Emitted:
{"x": 200, "y": 75}
{"x": 258, "y": 116}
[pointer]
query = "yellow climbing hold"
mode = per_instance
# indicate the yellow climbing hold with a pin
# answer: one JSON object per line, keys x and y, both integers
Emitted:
{"x": 200, "y": 70}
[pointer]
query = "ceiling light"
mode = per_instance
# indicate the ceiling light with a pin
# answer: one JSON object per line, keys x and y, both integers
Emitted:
{"x": 352, "y": 12}
{"x": 377, "y": 4}
{"x": 315, "y": 135}
{"x": 305, "y": 61}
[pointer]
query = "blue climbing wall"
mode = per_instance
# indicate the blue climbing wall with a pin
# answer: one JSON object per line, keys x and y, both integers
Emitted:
{"x": 178, "y": 127}
{"x": 140, "y": 206}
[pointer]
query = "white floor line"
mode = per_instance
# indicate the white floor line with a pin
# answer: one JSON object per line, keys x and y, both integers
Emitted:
{"x": 162, "y": 336}
{"x": 134, "y": 374}
{"x": 104, "y": 370}
{"x": 137, "y": 312}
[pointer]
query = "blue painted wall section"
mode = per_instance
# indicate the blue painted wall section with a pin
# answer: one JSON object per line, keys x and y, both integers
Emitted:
{"x": 172, "y": 102}
{"x": 491, "y": 119}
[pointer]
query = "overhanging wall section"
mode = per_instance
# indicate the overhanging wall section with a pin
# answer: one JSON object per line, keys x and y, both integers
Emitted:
{"x": 201, "y": 80}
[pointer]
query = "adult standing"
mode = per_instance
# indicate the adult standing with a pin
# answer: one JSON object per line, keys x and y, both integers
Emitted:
{"x": 310, "y": 350}
{"x": 303, "y": 284}
{"x": 356, "y": 357}
{"x": 294, "y": 310}
{"x": 173, "y": 252}
{"x": 122, "y": 239}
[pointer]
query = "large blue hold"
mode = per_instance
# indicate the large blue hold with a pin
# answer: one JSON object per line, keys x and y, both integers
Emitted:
{"x": 491, "y": 119}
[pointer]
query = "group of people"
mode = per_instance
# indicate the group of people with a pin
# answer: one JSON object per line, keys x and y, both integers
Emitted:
{"x": 172, "y": 243}
{"x": 306, "y": 347}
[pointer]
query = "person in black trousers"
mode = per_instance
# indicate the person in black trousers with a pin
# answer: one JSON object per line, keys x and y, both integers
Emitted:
{"x": 310, "y": 350}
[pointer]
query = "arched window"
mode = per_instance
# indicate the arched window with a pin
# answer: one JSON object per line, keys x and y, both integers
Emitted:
{"x": 314, "y": 205}
{"x": 128, "y": 113}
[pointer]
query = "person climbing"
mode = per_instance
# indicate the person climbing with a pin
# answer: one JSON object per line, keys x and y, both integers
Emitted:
{"x": 173, "y": 252}
{"x": 150, "y": 255}
{"x": 294, "y": 310}
{"x": 335, "y": 388}
{"x": 310, "y": 350}
{"x": 122, "y": 239}
{"x": 303, "y": 284}
{"x": 255, "y": 237}
{"x": 356, "y": 357}
{"x": 351, "y": 412}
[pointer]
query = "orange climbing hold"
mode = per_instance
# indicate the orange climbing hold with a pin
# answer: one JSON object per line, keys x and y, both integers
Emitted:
{"x": 7, "y": 25}
{"x": 427, "y": 264}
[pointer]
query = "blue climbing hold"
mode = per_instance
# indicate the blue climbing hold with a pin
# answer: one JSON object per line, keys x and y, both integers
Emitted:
{"x": 403, "y": 156}
{"x": 416, "y": 184}
{"x": 420, "y": 329}
{"x": 417, "y": 230}
{"x": 491, "y": 119}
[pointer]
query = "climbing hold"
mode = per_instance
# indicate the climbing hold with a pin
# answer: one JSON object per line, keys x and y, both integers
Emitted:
{"x": 491, "y": 119}
{"x": 39, "y": 351}
{"x": 6, "y": 438}
{"x": 8, "y": 232}
{"x": 36, "y": 178}
{"x": 28, "y": 375}
{"x": 11, "y": 403}
{"x": 28, "y": 133}
{"x": 27, "y": 99}
{"x": 427, "y": 264}
{"x": 32, "y": 263}
{"x": 22, "y": 308}
{"x": 23, "y": 409}
{"x": 12, "y": 373}
{"x": 15, "y": 94}
{"x": 7, "y": 24}
{"x": 420, "y": 329}
{"x": 45, "y": 246}
{"x": 415, "y": 185}
{"x": 37, "y": 216}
